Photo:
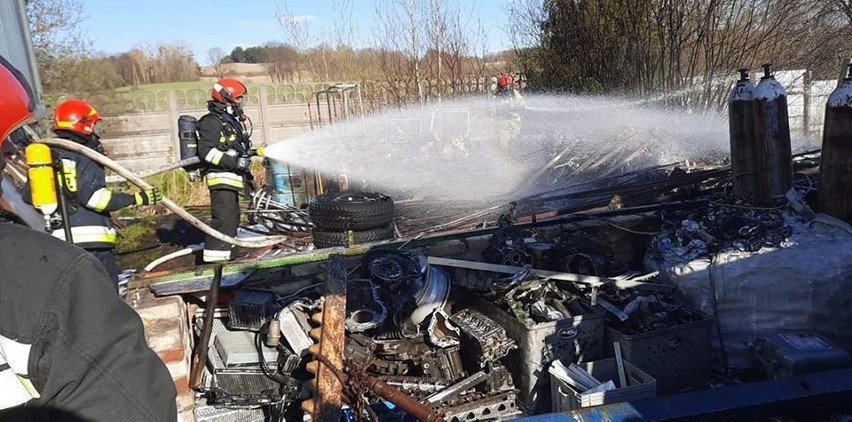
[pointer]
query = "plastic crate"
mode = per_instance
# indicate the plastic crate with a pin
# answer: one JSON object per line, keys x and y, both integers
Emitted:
{"x": 640, "y": 385}
{"x": 580, "y": 338}
{"x": 678, "y": 357}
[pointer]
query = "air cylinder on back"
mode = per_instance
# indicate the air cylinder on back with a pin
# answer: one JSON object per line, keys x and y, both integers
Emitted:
{"x": 741, "y": 124}
{"x": 835, "y": 174}
{"x": 773, "y": 153}
{"x": 187, "y": 127}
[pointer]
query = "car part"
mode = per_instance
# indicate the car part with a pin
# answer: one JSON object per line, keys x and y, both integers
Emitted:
{"x": 351, "y": 211}
{"x": 441, "y": 332}
{"x": 364, "y": 310}
{"x": 237, "y": 348}
{"x": 248, "y": 310}
{"x": 492, "y": 407}
{"x": 457, "y": 388}
{"x": 328, "y": 239}
{"x": 488, "y": 338}
{"x": 293, "y": 322}
{"x": 433, "y": 295}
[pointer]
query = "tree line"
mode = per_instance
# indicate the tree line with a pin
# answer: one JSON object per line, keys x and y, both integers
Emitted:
{"x": 415, "y": 50}
{"x": 645, "y": 46}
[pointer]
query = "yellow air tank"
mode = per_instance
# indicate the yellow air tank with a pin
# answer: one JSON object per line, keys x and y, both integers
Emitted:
{"x": 42, "y": 178}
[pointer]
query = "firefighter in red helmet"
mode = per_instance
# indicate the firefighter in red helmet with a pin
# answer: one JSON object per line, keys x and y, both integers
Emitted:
{"x": 505, "y": 88}
{"x": 84, "y": 184}
{"x": 70, "y": 349}
{"x": 225, "y": 148}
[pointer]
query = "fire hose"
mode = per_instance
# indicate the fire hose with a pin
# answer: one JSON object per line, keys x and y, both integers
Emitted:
{"x": 175, "y": 208}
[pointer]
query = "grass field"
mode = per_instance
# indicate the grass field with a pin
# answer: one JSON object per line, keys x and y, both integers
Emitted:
{"x": 167, "y": 85}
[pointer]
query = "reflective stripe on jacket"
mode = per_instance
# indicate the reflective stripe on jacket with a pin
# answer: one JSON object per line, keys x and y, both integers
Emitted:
{"x": 224, "y": 178}
{"x": 14, "y": 374}
{"x": 93, "y": 236}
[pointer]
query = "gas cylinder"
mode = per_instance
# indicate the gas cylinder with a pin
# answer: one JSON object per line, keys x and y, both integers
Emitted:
{"x": 188, "y": 136}
{"x": 741, "y": 125}
{"x": 773, "y": 153}
{"x": 835, "y": 173}
{"x": 42, "y": 178}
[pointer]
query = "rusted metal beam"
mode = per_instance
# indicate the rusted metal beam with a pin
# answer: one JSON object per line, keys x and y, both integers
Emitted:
{"x": 199, "y": 360}
{"x": 592, "y": 281}
{"x": 329, "y": 388}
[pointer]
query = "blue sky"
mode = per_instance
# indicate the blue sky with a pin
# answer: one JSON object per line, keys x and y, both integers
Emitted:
{"x": 116, "y": 26}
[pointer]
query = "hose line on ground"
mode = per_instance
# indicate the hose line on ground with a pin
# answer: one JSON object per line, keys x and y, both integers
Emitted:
{"x": 177, "y": 254}
{"x": 175, "y": 208}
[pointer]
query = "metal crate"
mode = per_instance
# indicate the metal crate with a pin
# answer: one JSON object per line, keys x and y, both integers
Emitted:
{"x": 639, "y": 386}
{"x": 678, "y": 357}
{"x": 571, "y": 340}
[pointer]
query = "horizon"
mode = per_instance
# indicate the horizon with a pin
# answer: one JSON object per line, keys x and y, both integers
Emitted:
{"x": 114, "y": 28}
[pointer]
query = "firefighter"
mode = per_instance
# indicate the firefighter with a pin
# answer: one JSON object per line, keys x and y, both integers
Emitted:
{"x": 70, "y": 349}
{"x": 506, "y": 89}
{"x": 225, "y": 149}
{"x": 84, "y": 184}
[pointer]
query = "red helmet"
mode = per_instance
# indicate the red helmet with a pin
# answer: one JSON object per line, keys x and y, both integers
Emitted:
{"x": 76, "y": 116}
{"x": 504, "y": 81}
{"x": 16, "y": 99}
{"x": 228, "y": 90}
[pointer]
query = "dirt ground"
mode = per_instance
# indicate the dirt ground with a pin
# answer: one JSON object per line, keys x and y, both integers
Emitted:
{"x": 149, "y": 238}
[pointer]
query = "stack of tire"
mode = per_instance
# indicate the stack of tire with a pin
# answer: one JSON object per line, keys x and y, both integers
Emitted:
{"x": 368, "y": 215}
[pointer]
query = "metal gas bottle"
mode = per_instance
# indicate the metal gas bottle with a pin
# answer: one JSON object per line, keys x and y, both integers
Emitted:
{"x": 835, "y": 174}
{"x": 741, "y": 125}
{"x": 773, "y": 153}
{"x": 42, "y": 178}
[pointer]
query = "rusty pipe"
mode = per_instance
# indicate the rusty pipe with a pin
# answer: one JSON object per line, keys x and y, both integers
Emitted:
{"x": 412, "y": 407}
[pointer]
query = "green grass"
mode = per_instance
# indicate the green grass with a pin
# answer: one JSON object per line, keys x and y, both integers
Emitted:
{"x": 167, "y": 85}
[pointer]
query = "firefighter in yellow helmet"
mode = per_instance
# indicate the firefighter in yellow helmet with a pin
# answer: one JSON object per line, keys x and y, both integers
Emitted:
{"x": 70, "y": 349}
{"x": 84, "y": 184}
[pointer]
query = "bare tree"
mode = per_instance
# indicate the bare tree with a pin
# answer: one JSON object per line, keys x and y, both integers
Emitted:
{"x": 283, "y": 61}
{"x": 215, "y": 56}
{"x": 297, "y": 32}
{"x": 344, "y": 39}
{"x": 399, "y": 46}
{"x": 58, "y": 40}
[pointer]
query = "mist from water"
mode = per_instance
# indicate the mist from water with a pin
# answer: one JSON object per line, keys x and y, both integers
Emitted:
{"x": 487, "y": 150}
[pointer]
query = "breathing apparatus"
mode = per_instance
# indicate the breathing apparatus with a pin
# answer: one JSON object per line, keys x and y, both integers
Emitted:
{"x": 45, "y": 188}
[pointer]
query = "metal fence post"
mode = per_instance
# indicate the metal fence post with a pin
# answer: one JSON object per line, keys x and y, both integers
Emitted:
{"x": 265, "y": 124}
{"x": 171, "y": 97}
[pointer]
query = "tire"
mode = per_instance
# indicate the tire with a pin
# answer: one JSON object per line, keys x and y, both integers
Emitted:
{"x": 351, "y": 211}
{"x": 328, "y": 239}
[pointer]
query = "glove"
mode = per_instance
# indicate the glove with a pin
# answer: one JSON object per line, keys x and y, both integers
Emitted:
{"x": 243, "y": 163}
{"x": 149, "y": 197}
{"x": 260, "y": 151}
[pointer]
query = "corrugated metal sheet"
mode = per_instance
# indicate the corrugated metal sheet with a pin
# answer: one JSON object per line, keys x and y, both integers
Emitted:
{"x": 15, "y": 41}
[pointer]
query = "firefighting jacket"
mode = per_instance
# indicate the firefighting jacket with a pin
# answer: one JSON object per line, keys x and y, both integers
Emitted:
{"x": 89, "y": 200}
{"x": 67, "y": 341}
{"x": 221, "y": 142}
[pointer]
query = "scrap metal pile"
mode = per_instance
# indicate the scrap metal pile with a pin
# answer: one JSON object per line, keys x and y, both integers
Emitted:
{"x": 401, "y": 327}
{"x": 440, "y": 338}
{"x": 723, "y": 226}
